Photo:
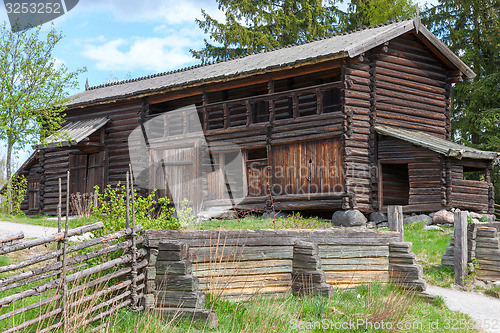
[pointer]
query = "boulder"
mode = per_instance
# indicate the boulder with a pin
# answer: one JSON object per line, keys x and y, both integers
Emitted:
{"x": 443, "y": 217}
{"x": 349, "y": 218}
{"x": 475, "y": 215}
{"x": 383, "y": 225}
{"x": 378, "y": 217}
{"x": 216, "y": 213}
{"x": 424, "y": 219}
{"x": 490, "y": 217}
{"x": 433, "y": 227}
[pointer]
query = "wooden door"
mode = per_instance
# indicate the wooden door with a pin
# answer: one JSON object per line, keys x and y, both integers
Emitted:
{"x": 95, "y": 171}
{"x": 87, "y": 170}
{"x": 78, "y": 173}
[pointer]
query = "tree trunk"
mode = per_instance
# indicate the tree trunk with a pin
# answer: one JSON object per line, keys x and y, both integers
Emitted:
{"x": 8, "y": 173}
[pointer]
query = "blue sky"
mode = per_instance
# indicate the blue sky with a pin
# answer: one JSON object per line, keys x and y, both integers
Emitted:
{"x": 122, "y": 39}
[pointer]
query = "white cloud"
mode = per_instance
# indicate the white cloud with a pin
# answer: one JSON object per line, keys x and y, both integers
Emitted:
{"x": 155, "y": 54}
{"x": 167, "y": 11}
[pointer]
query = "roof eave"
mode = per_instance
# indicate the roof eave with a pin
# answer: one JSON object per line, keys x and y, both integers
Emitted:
{"x": 445, "y": 51}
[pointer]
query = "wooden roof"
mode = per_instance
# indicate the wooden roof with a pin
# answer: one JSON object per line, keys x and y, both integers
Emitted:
{"x": 441, "y": 146}
{"x": 346, "y": 45}
{"x": 73, "y": 133}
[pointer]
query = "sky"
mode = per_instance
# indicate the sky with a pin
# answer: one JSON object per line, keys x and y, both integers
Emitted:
{"x": 123, "y": 39}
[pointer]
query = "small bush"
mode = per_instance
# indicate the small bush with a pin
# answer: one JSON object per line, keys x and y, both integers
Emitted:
{"x": 150, "y": 212}
{"x": 17, "y": 187}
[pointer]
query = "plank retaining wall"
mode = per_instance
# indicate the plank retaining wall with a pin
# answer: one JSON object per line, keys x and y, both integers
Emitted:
{"x": 241, "y": 263}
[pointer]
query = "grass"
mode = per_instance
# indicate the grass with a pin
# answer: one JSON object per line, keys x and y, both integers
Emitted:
{"x": 293, "y": 221}
{"x": 365, "y": 308}
{"x": 429, "y": 246}
{"x": 494, "y": 292}
{"x": 42, "y": 220}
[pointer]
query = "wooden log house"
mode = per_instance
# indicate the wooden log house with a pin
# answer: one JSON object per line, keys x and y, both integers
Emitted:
{"x": 359, "y": 120}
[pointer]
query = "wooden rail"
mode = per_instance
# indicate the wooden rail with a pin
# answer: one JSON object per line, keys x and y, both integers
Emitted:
{"x": 74, "y": 285}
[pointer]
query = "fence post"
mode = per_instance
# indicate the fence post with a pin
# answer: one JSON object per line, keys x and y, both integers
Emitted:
{"x": 64, "y": 262}
{"x": 395, "y": 218}
{"x": 460, "y": 250}
{"x": 134, "y": 246}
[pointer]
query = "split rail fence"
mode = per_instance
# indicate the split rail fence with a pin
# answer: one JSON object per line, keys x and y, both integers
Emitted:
{"x": 67, "y": 284}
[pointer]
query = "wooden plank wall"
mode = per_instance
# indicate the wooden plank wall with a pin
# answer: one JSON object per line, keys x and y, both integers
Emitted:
{"x": 424, "y": 171}
{"x": 468, "y": 194}
{"x": 123, "y": 119}
{"x": 236, "y": 263}
{"x": 399, "y": 84}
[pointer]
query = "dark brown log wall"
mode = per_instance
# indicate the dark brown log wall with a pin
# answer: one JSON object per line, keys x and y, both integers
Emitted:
{"x": 358, "y": 134}
{"x": 411, "y": 87}
{"x": 123, "y": 119}
{"x": 424, "y": 172}
{"x": 469, "y": 194}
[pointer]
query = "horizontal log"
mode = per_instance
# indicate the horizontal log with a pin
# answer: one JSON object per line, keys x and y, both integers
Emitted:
{"x": 177, "y": 282}
{"x": 70, "y": 249}
{"x": 183, "y": 267}
{"x": 239, "y": 253}
{"x": 180, "y": 299}
{"x": 51, "y": 238}
{"x": 360, "y": 251}
{"x": 11, "y": 237}
{"x": 242, "y": 268}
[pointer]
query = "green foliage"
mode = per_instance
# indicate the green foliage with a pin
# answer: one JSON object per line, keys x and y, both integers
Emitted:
{"x": 185, "y": 214}
{"x": 256, "y": 25}
{"x": 252, "y": 26}
{"x": 10, "y": 201}
{"x": 33, "y": 94}
{"x": 372, "y": 12}
{"x": 150, "y": 212}
{"x": 470, "y": 28}
{"x": 494, "y": 292}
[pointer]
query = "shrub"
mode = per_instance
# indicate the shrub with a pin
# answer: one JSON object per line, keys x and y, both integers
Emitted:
{"x": 150, "y": 212}
{"x": 17, "y": 186}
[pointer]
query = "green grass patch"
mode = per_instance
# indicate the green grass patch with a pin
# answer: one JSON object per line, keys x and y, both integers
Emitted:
{"x": 292, "y": 221}
{"x": 362, "y": 310}
{"x": 429, "y": 246}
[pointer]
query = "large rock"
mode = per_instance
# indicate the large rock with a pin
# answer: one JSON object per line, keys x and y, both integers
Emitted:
{"x": 349, "y": 218}
{"x": 378, "y": 217}
{"x": 424, "y": 219}
{"x": 222, "y": 213}
{"x": 443, "y": 217}
{"x": 274, "y": 215}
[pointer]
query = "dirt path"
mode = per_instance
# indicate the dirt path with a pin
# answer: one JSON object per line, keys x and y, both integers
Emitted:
{"x": 30, "y": 231}
{"x": 483, "y": 309}
{"x": 33, "y": 231}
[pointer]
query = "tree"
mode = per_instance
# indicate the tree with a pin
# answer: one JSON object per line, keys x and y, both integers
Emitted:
{"x": 372, "y": 12}
{"x": 471, "y": 28}
{"x": 256, "y": 25}
{"x": 32, "y": 88}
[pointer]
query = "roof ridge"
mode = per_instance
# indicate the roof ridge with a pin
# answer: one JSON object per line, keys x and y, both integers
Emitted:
{"x": 209, "y": 63}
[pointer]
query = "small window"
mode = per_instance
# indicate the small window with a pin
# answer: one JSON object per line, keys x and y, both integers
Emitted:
{"x": 395, "y": 184}
{"x": 331, "y": 100}
{"x": 260, "y": 112}
{"x": 257, "y": 154}
{"x": 472, "y": 173}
